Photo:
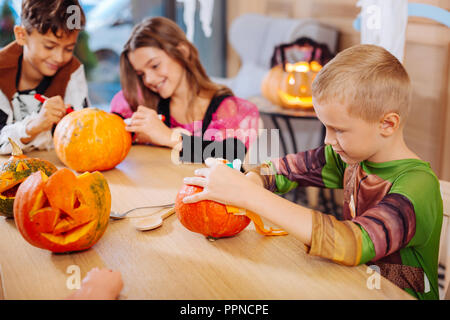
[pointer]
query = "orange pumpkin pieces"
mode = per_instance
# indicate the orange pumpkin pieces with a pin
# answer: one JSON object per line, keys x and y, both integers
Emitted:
{"x": 63, "y": 212}
{"x": 207, "y": 217}
{"x": 91, "y": 140}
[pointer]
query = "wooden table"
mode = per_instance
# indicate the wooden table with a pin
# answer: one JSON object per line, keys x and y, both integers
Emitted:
{"x": 172, "y": 262}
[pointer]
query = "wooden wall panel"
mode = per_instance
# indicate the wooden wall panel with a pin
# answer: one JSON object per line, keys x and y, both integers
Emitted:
{"x": 423, "y": 133}
{"x": 427, "y": 55}
{"x": 445, "y": 155}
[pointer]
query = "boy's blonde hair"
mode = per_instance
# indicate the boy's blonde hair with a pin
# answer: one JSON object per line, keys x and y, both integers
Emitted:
{"x": 367, "y": 79}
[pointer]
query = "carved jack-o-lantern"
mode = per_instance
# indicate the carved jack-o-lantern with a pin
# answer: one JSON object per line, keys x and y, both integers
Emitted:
{"x": 291, "y": 87}
{"x": 294, "y": 68}
{"x": 63, "y": 212}
{"x": 14, "y": 172}
{"x": 295, "y": 89}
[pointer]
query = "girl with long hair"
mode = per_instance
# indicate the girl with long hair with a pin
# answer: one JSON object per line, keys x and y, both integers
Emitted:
{"x": 161, "y": 74}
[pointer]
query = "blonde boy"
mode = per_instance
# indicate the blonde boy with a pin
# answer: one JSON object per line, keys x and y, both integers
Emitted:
{"x": 392, "y": 211}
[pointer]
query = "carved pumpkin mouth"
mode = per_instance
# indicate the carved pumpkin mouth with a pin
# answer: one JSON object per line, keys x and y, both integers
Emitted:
{"x": 14, "y": 172}
{"x": 70, "y": 236}
{"x": 11, "y": 192}
{"x": 9, "y": 183}
{"x": 55, "y": 223}
{"x": 292, "y": 100}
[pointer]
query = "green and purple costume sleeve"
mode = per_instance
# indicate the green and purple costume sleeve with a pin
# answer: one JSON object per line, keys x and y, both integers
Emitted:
{"x": 392, "y": 213}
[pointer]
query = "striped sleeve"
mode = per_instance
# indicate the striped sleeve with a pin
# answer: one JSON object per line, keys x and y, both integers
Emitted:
{"x": 343, "y": 242}
{"x": 305, "y": 167}
{"x": 390, "y": 224}
{"x": 339, "y": 241}
{"x": 380, "y": 231}
{"x": 319, "y": 167}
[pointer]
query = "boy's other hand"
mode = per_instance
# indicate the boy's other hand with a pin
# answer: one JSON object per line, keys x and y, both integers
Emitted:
{"x": 255, "y": 178}
{"x": 99, "y": 284}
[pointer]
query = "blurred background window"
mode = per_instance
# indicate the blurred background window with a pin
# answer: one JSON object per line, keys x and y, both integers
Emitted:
{"x": 7, "y": 21}
{"x": 109, "y": 25}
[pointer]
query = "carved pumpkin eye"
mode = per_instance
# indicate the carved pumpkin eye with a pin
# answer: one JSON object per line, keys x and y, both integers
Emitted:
{"x": 63, "y": 213}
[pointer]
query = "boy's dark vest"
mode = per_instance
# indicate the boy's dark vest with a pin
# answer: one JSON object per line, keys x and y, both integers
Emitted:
{"x": 9, "y": 59}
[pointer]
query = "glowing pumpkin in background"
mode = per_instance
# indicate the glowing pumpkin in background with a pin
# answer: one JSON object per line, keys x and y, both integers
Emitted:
{"x": 63, "y": 212}
{"x": 290, "y": 87}
{"x": 294, "y": 67}
{"x": 207, "y": 217}
{"x": 91, "y": 139}
{"x": 14, "y": 172}
{"x": 271, "y": 83}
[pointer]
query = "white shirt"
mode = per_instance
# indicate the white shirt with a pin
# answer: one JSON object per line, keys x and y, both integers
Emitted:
{"x": 26, "y": 108}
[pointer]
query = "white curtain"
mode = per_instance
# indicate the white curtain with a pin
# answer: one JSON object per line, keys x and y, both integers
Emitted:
{"x": 206, "y": 13}
{"x": 383, "y": 23}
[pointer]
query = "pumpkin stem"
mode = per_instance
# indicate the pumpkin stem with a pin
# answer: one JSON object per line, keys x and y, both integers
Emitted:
{"x": 16, "y": 151}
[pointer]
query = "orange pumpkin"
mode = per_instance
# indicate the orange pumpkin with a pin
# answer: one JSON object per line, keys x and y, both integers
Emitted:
{"x": 207, "y": 217}
{"x": 91, "y": 140}
{"x": 271, "y": 83}
{"x": 63, "y": 212}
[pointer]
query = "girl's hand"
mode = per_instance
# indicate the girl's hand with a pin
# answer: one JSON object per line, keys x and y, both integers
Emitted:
{"x": 221, "y": 184}
{"x": 149, "y": 128}
{"x": 99, "y": 284}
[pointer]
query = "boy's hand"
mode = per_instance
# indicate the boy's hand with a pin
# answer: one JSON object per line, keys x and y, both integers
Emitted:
{"x": 222, "y": 184}
{"x": 149, "y": 128}
{"x": 255, "y": 178}
{"x": 52, "y": 111}
{"x": 99, "y": 284}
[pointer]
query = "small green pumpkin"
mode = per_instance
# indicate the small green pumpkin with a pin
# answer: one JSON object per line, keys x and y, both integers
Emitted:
{"x": 13, "y": 172}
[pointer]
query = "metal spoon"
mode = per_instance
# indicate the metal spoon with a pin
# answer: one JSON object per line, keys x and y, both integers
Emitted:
{"x": 154, "y": 221}
{"x": 117, "y": 215}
